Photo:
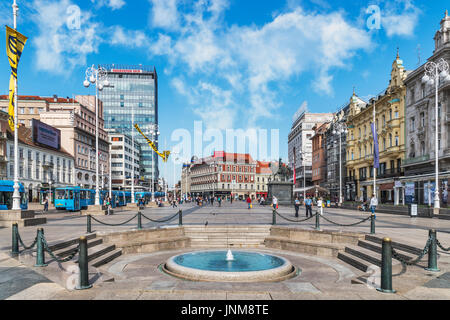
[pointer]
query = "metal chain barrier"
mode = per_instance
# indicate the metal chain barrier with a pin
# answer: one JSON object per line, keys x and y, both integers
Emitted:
{"x": 292, "y": 220}
{"x": 68, "y": 258}
{"x": 441, "y": 246}
{"x": 114, "y": 225}
{"x": 346, "y": 225}
{"x": 397, "y": 256}
{"x": 23, "y": 245}
{"x": 160, "y": 221}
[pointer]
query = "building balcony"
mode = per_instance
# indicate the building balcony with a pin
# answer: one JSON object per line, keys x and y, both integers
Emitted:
{"x": 391, "y": 173}
{"x": 416, "y": 159}
{"x": 362, "y": 178}
{"x": 48, "y": 164}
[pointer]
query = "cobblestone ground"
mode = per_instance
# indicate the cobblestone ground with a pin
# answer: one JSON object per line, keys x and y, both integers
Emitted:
{"x": 137, "y": 276}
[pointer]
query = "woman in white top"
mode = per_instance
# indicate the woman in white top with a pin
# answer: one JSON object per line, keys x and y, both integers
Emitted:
{"x": 274, "y": 202}
{"x": 320, "y": 206}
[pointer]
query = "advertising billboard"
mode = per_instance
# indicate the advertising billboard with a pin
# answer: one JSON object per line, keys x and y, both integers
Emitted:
{"x": 46, "y": 135}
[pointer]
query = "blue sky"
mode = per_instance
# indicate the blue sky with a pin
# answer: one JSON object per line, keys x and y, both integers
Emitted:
{"x": 229, "y": 63}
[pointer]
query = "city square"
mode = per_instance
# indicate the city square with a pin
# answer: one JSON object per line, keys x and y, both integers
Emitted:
{"x": 218, "y": 150}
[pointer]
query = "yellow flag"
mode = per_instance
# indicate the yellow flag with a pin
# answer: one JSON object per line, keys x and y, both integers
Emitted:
{"x": 164, "y": 155}
{"x": 15, "y": 42}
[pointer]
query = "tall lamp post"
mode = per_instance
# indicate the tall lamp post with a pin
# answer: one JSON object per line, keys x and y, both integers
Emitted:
{"x": 98, "y": 77}
{"x": 154, "y": 133}
{"x": 340, "y": 128}
{"x": 433, "y": 72}
{"x": 16, "y": 193}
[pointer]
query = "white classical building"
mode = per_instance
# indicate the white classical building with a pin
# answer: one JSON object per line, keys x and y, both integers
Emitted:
{"x": 40, "y": 167}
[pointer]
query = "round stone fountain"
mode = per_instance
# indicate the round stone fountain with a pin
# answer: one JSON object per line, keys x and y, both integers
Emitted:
{"x": 227, "y": 266}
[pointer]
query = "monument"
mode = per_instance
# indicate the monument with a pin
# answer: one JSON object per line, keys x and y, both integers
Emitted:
{"x": 279, "y": 185}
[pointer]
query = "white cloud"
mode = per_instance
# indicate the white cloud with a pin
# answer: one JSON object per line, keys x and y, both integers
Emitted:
{"x": 258, "y": 58}
{"x": 164, "y": 14}
{"x": 400, "y": 18}
{"x": 128, "y": 38}
{"x": 58, "y": 48}
{"x": 113, "y": 4}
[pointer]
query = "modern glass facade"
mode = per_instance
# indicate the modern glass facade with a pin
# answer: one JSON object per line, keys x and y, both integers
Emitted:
{"x": 133, "y": 89}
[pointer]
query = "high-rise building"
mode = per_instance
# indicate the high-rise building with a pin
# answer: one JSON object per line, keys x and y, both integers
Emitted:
{"x": 134, "y": 90}
{"x": 300, "y": 145}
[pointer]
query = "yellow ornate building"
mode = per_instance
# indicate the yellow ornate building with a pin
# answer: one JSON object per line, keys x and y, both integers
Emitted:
{"x": 390, "y": 124}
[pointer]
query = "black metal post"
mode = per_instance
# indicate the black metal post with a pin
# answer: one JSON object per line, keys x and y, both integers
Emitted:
{"x": 180, "y": 217}
{"x": 40, "y": 252}
{"x": 89, "y": 224}
{"x": 432, "y": 252}
{"x": 83, "y": 265}
{"x": 15, "y": 239}
{"x": 274, "y": 217}
{"x": 386, "y": 267}
{"x": 372, "y": 224}
{"x": 139, "y": 226}
{"x": 317, "y": 221}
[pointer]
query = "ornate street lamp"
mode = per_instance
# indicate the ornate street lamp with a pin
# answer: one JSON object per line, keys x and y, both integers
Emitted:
{"x": 436, "y": 73}
{"x": 98, "y": 77}
{"x": 340, "y": 128}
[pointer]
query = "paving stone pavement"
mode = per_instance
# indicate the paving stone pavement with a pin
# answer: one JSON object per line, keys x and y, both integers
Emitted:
{"x": 139, "y": 278}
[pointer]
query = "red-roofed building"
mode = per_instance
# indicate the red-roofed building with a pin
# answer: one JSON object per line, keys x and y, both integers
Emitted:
{"x": 223, "y": 174}
{"x": 263, "y": 177}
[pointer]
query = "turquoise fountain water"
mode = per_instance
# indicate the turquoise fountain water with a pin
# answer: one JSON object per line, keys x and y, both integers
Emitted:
{"x": 236, "y": 266}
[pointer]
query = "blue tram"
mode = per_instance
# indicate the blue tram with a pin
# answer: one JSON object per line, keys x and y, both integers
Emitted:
{"x": 146, "y": 196}
{"x": 68, "y": 198}
{"x": 87, "y": 198}
{"x": 6, "y": 195}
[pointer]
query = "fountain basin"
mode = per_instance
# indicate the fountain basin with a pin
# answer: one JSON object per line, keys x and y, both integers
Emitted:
{"x": 247, "y": 266}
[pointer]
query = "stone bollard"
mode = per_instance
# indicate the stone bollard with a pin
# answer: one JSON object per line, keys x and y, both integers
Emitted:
{"x": 317, "y": 221}
{"x": 386, "y": 267}
{"x": 180, "y": 217}
{"x": 274, "y": 217}
{"x": 89, "y": 224}
{"x": 83, "y": 265}
{"x": 15, "y": 240}
{"x": 139, "y": 226}
{"x": 372, "y": 224}
{"x": 40, "y": 252}
{"x": 432, "y": 252}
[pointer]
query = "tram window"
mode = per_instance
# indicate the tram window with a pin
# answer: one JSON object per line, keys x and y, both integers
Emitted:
{"x": 71, "y": 194}
{"x": 6, "y": 199}
{"x": 60, "y": 194}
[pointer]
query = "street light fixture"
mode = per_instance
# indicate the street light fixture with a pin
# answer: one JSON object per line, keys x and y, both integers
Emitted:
{"x": 433, "y": 72}
{"x": 97, "y": 76}
{"x": 340, "y": 128}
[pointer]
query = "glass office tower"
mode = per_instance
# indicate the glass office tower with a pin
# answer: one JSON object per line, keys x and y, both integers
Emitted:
{"x": 133, "y": 89}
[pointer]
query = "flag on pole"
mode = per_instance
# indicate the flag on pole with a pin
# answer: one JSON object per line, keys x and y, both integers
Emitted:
{"x": 15, "y": 42}
{"x": 376, "y": 151}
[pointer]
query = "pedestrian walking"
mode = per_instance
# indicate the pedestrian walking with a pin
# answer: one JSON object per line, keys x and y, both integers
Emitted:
{"x": 46, "y": 204}
{"x": 320, "y": 206}
{"x": 296, "y": 206}
{"x": 373, "y": 204}
{"x": 275, "y": 203}
{"x": 219, "y": 200}
{"x": 249, "y": 202}
{"x": 308, "y": 205}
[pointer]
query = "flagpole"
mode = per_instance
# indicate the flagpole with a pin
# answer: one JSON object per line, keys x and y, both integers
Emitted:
{"x": 374, "y": 169}
{"x": 16, "y": 194}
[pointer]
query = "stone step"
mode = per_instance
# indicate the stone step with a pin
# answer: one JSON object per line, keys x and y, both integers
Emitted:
{"x": 68, "y": 251}
{"x": 444, "y": 216}
{"x": 106, "y": 258}
{"x": 365, "y": 254}
{"x": 98, "y": 251}
{"x": 152, "y": 245}
{"x": 396, "y": 245}
{"x": 29, "y": 222}
{"x": 68, "y": 243}
{"x": 317, "y": 248}
{"x": 354, "y": 261}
